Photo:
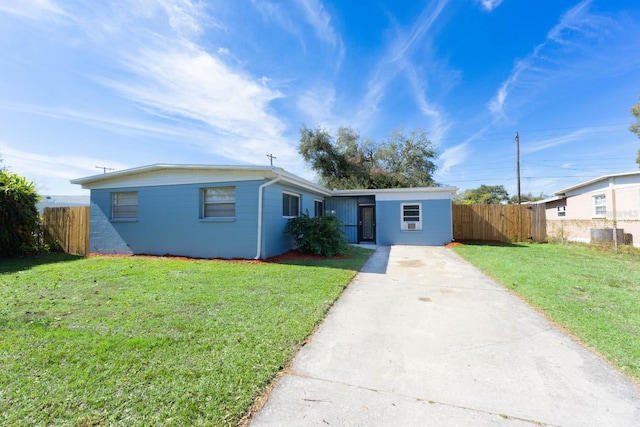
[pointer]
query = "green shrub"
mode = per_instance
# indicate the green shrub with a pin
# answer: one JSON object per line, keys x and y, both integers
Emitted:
{"x": 18, "y": 215}
{"x": 318, "y": 236}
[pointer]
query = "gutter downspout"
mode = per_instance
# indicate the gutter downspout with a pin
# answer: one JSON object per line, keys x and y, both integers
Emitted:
{"x": 260, "y": 192}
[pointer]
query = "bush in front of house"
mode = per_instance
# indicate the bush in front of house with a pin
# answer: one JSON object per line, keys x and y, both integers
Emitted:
{"x": 318, "y": 235}
{"x": 18, "y": 215}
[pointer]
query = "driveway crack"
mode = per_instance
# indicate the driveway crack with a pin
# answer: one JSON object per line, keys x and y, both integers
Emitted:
{"x": 419, "y": 399}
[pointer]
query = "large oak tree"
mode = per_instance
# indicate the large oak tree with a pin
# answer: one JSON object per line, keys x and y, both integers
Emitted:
{"x": 350, "y": 161}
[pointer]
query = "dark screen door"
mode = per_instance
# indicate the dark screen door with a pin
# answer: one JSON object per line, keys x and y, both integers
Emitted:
{"x": 366, "y": 224}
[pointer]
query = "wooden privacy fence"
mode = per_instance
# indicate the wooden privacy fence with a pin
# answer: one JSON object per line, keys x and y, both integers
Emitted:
{"x": 504, "y": 223}
{"x": 69, "y": 226}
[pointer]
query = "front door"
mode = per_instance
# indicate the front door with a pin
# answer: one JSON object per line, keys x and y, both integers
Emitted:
{"x": 367, "y": 224}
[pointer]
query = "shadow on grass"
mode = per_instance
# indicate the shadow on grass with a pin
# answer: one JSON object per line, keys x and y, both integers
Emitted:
{"x": 492, "y": 243}
{"x": 11, "y": 265}
{"x": 353, "y": 260}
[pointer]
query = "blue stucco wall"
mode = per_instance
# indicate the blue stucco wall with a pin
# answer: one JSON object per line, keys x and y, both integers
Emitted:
{"x": 275, "y": 240}
{"x": 436, "y": 223}
{"x": 169, "y": 223}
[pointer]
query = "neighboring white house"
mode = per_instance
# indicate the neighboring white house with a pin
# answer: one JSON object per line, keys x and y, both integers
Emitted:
{"x": 608, "y": 202}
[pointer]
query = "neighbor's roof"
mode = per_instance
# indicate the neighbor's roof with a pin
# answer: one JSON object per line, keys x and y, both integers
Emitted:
{"x": 547, "y": 200}
{"x": 269, "y": 172}
{"x": 595, "y": 180}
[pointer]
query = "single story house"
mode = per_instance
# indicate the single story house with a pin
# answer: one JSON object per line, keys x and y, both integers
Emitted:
{"x": 209, "y": 211}
{"x": 592, "y": 209}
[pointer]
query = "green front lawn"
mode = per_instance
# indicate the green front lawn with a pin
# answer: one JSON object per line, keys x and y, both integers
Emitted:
{"x": 595, "y": 294}
{"x": 152, "y": 341}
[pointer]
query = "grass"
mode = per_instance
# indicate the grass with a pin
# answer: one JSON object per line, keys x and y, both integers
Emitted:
{"x": 152, "y": 341}
{"x": 593, "y": 293}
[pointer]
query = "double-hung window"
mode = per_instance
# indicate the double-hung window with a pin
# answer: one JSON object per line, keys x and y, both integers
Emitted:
{"x": 219, "y": 202}
{"x": 600, "y": 206}
{"x": 124, "y": 205}
{"x": 290, "y": 204}
{"x": 318, "y": 208}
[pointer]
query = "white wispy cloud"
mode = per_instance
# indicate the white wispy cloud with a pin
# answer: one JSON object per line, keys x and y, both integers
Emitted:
{"x": 398, "y": 61}
{"x": 125, "y": 126}
{"x": 318, "y": 104}
{"x": 171, "y": 74}
{"x": 157, "y": 62}
{"x": 51, "y": 172}
{"x": 546, "y": 143}
{"x": 184, "y": 80}
{"x": 188, "y": 81}
{"x": 489, "y": 5}
{"x": 439, "y": 125}
{"x": 453, "y": 156}
{"x": 459, "y": 153}
{"x": 404, "y": 44}
{"x": 318, "y": 17}
{"x": 577, "y": 21}
{"x": 37, "y": 10}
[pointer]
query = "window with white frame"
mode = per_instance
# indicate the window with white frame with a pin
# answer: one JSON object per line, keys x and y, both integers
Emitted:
{"x": 411, "y": 216}
{"x": 318, "y": 207}
{"x": 600, "y": 206}
{"x": 219, "y": 202}
{"x": 562, "y": 211}
{"x": 124, "y": 205}
{"x": 290, "y": 204}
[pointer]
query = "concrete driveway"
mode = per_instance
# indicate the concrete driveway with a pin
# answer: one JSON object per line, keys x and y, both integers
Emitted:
{"x": 422, "y": 338}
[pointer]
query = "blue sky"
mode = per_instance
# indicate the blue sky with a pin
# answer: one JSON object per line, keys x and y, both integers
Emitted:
{"x": 128, "y": 83}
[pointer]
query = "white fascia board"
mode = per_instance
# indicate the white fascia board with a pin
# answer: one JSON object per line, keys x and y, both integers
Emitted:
{"x": 548, "y": 200}
{"x": 404, "y": 196}
{"x": 573, "y": 188}
{"x": 159, "y": 174}
{"x": 167, "y": 174}
{"x": 389, "y": 194}
{"x": 296, "y": 181}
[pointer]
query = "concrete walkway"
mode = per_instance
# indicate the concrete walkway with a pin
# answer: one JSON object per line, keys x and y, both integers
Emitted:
{"x": 421, "y": 338}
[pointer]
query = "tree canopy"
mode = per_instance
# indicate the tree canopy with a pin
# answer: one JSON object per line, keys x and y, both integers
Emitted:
{"x": 350, "y": 161}
{"x": 485, "y": 194}
{"x": 492, "y": 195}
{"x": 528, "y": 197}
{"x": 635, "y": 127}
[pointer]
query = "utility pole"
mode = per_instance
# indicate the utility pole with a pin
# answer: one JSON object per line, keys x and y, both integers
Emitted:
{"x": 517, "y": 138}
{"x": 105, "y": 169}
{"x": 271, "y": 157}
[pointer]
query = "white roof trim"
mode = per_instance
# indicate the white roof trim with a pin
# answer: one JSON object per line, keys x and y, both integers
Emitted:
{"x": 374, "y": 192}
{"x": 548, "y": 200}
{"x": 158, "y": 166}
{"x": 268, "y": 172}
{"x": 593, "y": 181}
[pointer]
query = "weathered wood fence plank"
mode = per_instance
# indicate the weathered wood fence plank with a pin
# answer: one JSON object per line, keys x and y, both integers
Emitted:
{"x": 69, "y": 226}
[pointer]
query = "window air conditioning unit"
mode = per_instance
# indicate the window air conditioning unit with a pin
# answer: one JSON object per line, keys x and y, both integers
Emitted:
{"x": 412, "y": 226}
